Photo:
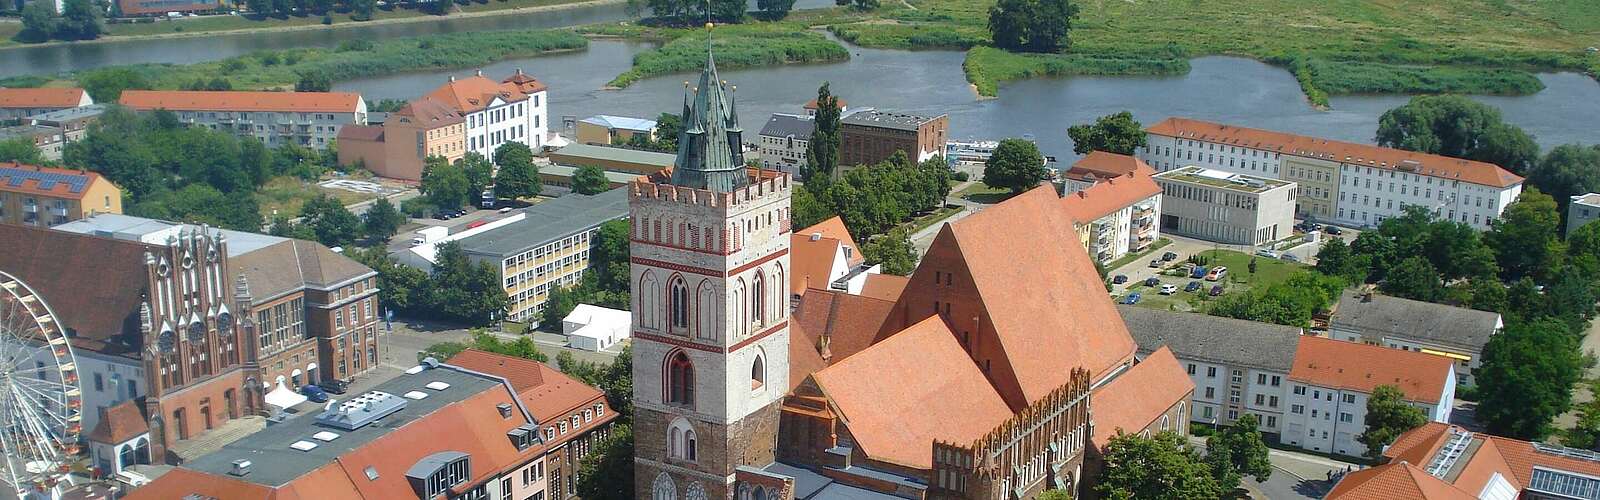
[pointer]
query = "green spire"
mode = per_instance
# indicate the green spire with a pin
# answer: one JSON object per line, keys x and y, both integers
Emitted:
{"x": 710, "y": 153}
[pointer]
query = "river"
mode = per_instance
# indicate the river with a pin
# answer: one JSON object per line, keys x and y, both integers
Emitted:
{"x": 1225, "y": 89}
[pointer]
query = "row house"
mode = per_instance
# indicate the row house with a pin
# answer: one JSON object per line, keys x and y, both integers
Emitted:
{"x": 1454, "y": 332}
{"x": 32, "y": 195}
{"x": 306, "y": 119}
{"x": 515, "y": 109}
{"x": 17, "y": 105}
{"x": 1116, "y": 214}
{"x": 1332, "y": 380}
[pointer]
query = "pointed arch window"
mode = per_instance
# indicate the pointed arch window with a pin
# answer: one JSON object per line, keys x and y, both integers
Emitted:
{"x": 663, "y": 489}
{"x": 758, "y": 300}
{"x": 706, "y": 323}
{"x": 649, "y": 301}
{"x": 680, "y": 379}
{"x": 758, "y": 372}
{"x": 679, "y": 305}
{"x": 779, "y": 294}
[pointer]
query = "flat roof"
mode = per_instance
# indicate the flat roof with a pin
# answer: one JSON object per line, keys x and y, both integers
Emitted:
{"x": 566, "y": 171}
{"x": 71, "y": 114}
{"x": 274, "y": 463}
{"x": 577, "y": 152}
{"x": 1591, "y": 199}
{"x": 621, "y": 122}
{"x": 1220, "y": 179}
{"x": 550, "y": 221}
{"x": 885, "y": 119}
{"x": 26, "y": 131}
{"x": 128, "y": 227}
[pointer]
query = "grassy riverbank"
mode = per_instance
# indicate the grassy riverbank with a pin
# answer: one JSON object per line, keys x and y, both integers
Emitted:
{"x": 986, "y": 66}
{"x": 1346, "y": 46}
{"x": 282, "y": 68}
{"x": 748, "y": 44}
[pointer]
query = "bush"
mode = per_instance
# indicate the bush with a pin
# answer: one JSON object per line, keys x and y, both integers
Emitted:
{"x": 961, "y": 175}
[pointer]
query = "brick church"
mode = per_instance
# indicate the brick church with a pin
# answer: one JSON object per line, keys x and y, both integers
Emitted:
{"x": 998, "y": 371}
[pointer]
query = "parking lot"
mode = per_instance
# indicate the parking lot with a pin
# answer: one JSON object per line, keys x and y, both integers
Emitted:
{"x": 1185, "y": 296}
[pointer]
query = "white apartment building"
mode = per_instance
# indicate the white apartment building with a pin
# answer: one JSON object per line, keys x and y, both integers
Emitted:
{"x": 1238, "y": 367}
{"x": 1340, "y": 182}
{"x": 1583, "y": 209}
{"x": 1117, "y": 215}
{"x": 1223, "y": 207}
{"x": 1457, "y": 333}
{"x": 1332, "y": 379}
{"x": 783, "y": 141}
{"x": 308, "y": 119}
{"x": 512, "y": 110}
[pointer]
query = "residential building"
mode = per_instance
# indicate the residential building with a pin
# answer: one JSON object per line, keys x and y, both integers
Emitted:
{"x": 1151, "y": 398}
{"x": 825, "y": 257}
{"x": 594, "y": 328}
{"x": 605, "y": 130}
{"x": 1339, "y": 182}
{"x": 546, "y": 249}
{"x": 1457, "y": 333}
{"x": 633, "y": 162}
{"x": 517, "y": 430}
{"x": 1444, "y": 462}
{"x": 308, "y": 119}
{"x": 46, "y": 196}
{"x": 73, "y": 122}
{"x": 1095, "y": 167}
{"x": 512, "y": 110}
{"x": 1238, "y": 367}
{"x": 1332, "y": 379}
{"x": 870, "y": 137}
{"x": 783, "y": 141}
{"x": 142, "y": 8}
{"x": 800, "y": 405}
{"x": 49, "y": 140}
{"x": 1116, "y": 215}
{"x": 1218, "y": 206}
{"x": 18, "y": 104}
{"x": 399, "y": 148}
{"x": 1583, "y": 209}
{"x": 811, "y": 106}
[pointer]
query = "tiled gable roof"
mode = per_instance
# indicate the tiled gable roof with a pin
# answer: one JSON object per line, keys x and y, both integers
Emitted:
{"x": 1101, "y": 165}
{"x": 121, "y": 422}
{"x": 59, "y": 266}
{"x": 1215, "y": 339}
{"x": 1361, "y": 367}
{"x": 467, "y": 95}
{"x": 1110, "y": 195}
{"x": 884, "y": 286}
{"x": 429, "y": 113}
{"x": 47, "y": 181}
{"x": 549, "y": 394}
{"x": 849, "y": 323}
{"x": 1137, "y": 398}
{"x": 1417, "y": 445}
{"x": 242, "y": 100}
{"x": 290, "y": 265}
{"x": 43, "y": 97}
{"x": 1403, "y": 480}
{"x": 1386, "y": 315}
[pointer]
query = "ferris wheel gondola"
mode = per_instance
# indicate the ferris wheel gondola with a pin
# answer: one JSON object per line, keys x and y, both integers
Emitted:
{"x": 40, "y": 399}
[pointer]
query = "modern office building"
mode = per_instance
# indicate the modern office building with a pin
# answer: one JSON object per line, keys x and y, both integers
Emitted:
{"x": 605, "y": 130}
{"x": 783, "y": 141}
{"x": 18, "y": 104}
{"x": 32, "y": 195}
{"x": 1228, "y": 208}
{"x": 1457, "y": 333}
{"x": 870, "y": 137}
{"x": 1583, "y": 209}
{"x": 1339, "y": 182}
{"x": 399, "y": 148}
{"x": 1332, "y": 379}
{"x": 1117, "y": 215}
{"x": 308, "y": 119}
{"x": 511, "y": 110}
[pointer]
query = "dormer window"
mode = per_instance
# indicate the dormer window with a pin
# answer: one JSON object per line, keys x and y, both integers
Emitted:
{"x": 436, "y": 474}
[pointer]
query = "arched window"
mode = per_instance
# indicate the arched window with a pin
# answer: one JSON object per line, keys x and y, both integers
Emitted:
{"x": 688, "y": 445}
{"x": 758, "y": 372}
{"x": 680, "y": 379}
{"x": 758, "y": 300}
{"x": 663, "y": 489}
{"x": 736, "y": 314}
{"x": 680, "y": 305}
{"x": 696, "y": 492}
{"x": 649, "y": 301}
{"x": 681, "y": 443}
{"x": 125, "y": 459}
{"x": 706, "y": 323}
{"x": 780, "y": 294}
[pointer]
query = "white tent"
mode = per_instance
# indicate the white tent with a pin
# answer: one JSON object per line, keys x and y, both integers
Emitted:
{"x": 284, "y": 397}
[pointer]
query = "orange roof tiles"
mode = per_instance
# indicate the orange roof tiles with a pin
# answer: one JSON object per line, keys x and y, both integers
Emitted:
{"x": 120, "y": 423}
{"x": 812, "y": 251}
{"x": 180, "y": 483}
{"x": 804, "y": 359}
{"x": 1522, "y": 457}
{"x": 41, "y": 98}
{"x": 849, "y": 323}
{"x": 524, "y": 82}
{"x": 429, "y": 113}
{"x": 1402, "y": 480}
{"x": 1475, "y": 172}
{"x": 1110, "y": 195}
{"x": 1100, "y": 165}
{"x": 239, "y": 100}
{"x": 20, "y": 178}
{"x": 884, "y": 286}
{"x": 1417, "y": 445}
{"x": 1361, "y": 367}
{"x": 1136, "y": 399}
{"x": 467, "y": 95}
{"x": 549, "y": 394}
{"x": 898, "y": 422}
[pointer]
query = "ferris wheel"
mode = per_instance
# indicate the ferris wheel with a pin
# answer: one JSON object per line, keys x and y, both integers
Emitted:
{"x": 40, "y": 400}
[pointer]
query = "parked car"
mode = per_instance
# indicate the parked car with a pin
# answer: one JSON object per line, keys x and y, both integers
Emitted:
{"x": 461, "y": 212}
{"x": 314, "y": 393}
{"x": 1169, "y": 256}
{"x": 1333, "y": 230}
{"x": 1119, "y": 279}
{"x": 1307, "y": 227}
{"x": 1199, "y": 272}
{"x": 334, "y": 386}
{"x": 1192, "y": 286}
{"x": 1155, "y": 263}
{"x": 441, "y": 216}
{"x": 1216, "y": 290}
{"x": 1133, "y": 298}
{"x": 1217, "y": 273}
{"x": 1289, "y": 257}
{"x": 1268, "y": 253}
{"x": 1169, "y": 289}
{"x": 1152, "y": 281}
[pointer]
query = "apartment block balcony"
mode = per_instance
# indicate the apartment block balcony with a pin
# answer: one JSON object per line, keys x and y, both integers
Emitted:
{"x": 58, "y": 211}
{"x": 32, "y": 208}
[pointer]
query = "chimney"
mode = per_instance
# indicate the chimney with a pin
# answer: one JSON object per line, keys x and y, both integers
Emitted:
{"x": 477, "y": 73}
{"x": 452, "y": 78}
{"x": 816, "y": 236}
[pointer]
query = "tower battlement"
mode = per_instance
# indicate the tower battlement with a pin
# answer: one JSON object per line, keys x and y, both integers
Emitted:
{"x": 763, "y": 185}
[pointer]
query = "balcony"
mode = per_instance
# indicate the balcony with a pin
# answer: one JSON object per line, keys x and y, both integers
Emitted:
{"x": 59, "y": 211}
{"x": 32, "y": 208}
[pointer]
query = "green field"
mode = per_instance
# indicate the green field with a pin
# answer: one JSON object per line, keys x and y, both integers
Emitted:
{"x": 1239, "y": 279}
{"x": 747, "y": 44}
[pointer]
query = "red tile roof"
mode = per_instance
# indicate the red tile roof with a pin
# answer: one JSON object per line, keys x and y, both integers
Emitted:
{"x": 549, "y": 394}
{"x": 1100, "y": 164}
{"x": 180, "y": 483}
{"x": 240, "y": 100}
{"x": 57, "y": 264}
{"x": 884, "y": 286}
{"x": 898, "y": 422}
{"x": 1417, "y": 445}
{"x": 849, "y": 323}
{"x": 804, "y": 356}
{"x": 1522, "y": 457}
{"x": 1136, "y": 399}
{"x": 428, "y": 113}
{"x": 1475, "y": 172}
{"x": 372, "y": 133}
{"x": 812, "y": 104}
{"x": 41, "y": 98}
{"x": 811, "y": 262}
{"x": 120, "y": 423}
{"x": 1110, "y": 195}
{"x": 1361, "y": 367}
{"x": 28, "y": 179}
{"x": 467, "y": 95}
{"x": 524, "y": 82}
{"x": 1399, "y": 481}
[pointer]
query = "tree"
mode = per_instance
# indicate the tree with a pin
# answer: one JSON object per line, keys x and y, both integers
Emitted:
{"x": 1456, "y": 126}
{"x": 1032, "y": 25}
{"x": 442, "y": 351}
{"x": 445, "y": 185}
{"x": 382, "y": 220}
{"x": 1244, "y": 448}
{"x": 1054, "y": 495}
{"x": 557, "y": 305}
{"x": 1115, "y": 133}
{"x": 728, "y": 11}
{"x": 21, "y": 150}
{"x": 590, "y": 179}
{"x": 775, "y": 9}
{"x": 1526, "y": 378}
{"x": 1008, "y": 23}
{"x": 361, "y": 10}
{"x": 333, "y": 224}
{"x": 39, "y": 22}
{"x": 313, "y": 81}
{"x": 608, "y": 255}
{"x": 808, "y": 211}
{"x": 1413, "y": 278}
{"x": 1162, "y": 467}
{"x": 259, "y": 7}
{"x": 1585, "y": 433}
{"x": 1567, "y": 170}
{"x": 606, "y": 473}
{"x": 822, "y": 151}
{"x": 1388, "y": 416}
{"x": 1016, "y": 165}
{"x": 81, "y": 20}
{"x": 1524, "y": 239}
{"x": 517, "y": 178}
{"x": 668, "y": 126}
{"x": 1336, "y": 259}
{"x": 107, "y": 84}
{"x": 463, "y": 291}
{"x": 893, "y": 251}
{"x": 479, "y": 172}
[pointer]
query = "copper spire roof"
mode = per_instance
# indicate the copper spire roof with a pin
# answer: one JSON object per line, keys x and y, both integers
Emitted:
{"x": 709, "y": 147}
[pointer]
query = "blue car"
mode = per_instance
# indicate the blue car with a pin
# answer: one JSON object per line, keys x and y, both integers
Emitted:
{"x": 1199, "y": 272}
{"x": 314, "y": 393}
{"x": 1133, "y": 298}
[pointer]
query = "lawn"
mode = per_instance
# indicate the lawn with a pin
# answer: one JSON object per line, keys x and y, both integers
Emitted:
{"x": 1239, "y": 280}
{"x": 284, "y": 196}
{"x": 979, "y": 193}
{"x": 920, "y": 223}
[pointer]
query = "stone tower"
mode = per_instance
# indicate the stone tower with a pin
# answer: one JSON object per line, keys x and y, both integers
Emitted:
{"x": 710, "y": 263}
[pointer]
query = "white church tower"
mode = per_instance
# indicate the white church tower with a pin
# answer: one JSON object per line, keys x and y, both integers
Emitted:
{"x": 710, "y": 264}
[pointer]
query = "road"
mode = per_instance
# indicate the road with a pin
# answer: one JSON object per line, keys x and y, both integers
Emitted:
{"x": 1294, "y": 475}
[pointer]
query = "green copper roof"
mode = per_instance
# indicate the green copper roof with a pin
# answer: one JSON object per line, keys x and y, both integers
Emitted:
{"x": 710, "y": 155}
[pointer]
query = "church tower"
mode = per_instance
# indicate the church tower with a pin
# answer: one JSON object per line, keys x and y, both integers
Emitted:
{"x": 710, "y": 264}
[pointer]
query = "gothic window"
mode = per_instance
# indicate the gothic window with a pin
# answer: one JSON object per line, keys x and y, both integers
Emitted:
{"x": 758, "y": 300}
{"x": 649, "y": 300}
{"x": 758, "y": 372}
{"x": 663, "y": 489}
{"x": 779, "y": 293}
{"x": 709, "y": 240}
{"x": 736, "y": 314}
{"x": 680, "y": 305}
{"x": 680, "y": 379}
{"x": 681, "y": 440}
{"x": 696, "y": 492}
{"x": 760, "y": 493}
{"x": 706, "y": 324}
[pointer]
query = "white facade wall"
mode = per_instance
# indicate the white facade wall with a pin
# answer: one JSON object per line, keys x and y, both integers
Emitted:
{"x": 525, "y": 121}
{"x": 1213, "y": 401}
{"x": 1328, "y": 420}
{"x": 1583, "y": 209}
{"x": 276, "y": 128}
{"x": 785, "y": 154}
{"x": 119, "y": 379}
{"x": 1463, "y": 367}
